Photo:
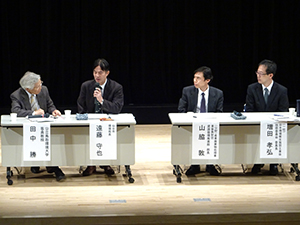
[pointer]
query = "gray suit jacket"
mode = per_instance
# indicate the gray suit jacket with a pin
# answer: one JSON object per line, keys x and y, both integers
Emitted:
{"x": 277, "y": 101}
{"x": 113, "y": 97}
{"x": 20, "y": 103}
{"x": 189, "y": 99}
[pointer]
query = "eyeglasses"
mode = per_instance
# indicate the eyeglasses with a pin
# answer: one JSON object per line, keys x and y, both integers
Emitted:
{"x": 36, "y": 88}
{"x": 260, "y": 74}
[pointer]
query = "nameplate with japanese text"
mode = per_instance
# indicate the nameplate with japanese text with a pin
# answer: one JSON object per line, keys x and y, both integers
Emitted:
{"x": 205, "y": 143}
{"x": 36, "y": 142}
{"x": 273, "y": 140}
{"x": 103, "y": 140}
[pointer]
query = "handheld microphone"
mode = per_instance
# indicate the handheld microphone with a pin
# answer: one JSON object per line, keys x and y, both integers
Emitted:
{"x": 98, "y": 107}
{"x": 97, "y": 86}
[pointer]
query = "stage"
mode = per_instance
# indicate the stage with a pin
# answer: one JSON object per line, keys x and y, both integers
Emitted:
{"x": 154, "y": 197}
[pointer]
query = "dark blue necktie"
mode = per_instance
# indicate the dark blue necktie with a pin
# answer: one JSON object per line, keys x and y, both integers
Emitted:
{"x": 202, "y": 106}
{"x": 266, "y": 95}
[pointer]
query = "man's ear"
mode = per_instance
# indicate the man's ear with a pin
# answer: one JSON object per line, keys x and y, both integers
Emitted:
{"x": 271, "y": 75}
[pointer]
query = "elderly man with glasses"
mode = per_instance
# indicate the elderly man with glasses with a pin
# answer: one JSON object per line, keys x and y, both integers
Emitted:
{"x": 32, "y": 98}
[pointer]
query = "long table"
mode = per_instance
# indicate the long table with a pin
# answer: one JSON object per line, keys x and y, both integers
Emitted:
{"x": 239, "y": 140}
{"x": 69, "y": 142}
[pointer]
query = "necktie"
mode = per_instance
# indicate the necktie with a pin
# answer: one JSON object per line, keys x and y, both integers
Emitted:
{"x": 266, "y": 95}
{"x": 32, "y": 103}
{"x": 202, "y": 106}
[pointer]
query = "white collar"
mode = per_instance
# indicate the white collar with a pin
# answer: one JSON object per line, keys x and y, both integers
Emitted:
{"x": 269, "y": 87}
{"x": 29, "y": 95}
{"x": 205, "y": 92}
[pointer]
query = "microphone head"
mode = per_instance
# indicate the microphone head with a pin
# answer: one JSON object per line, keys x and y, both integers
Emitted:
{"x": 46, "y": 115}
{"x": 97, "y": 85}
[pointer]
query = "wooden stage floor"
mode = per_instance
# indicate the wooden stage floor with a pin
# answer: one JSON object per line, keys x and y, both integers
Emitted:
{"x": 154, "y": 197}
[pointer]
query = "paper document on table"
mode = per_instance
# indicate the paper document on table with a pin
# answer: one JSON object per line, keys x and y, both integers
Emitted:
{"x": 42, "y": 119}
{"x": 284, "y": 118}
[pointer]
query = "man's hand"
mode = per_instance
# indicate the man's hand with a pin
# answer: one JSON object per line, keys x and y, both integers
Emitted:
{"x": 56, "y": 113}
{"x": 98, "y": 95}
{"x": 39, "y": 112}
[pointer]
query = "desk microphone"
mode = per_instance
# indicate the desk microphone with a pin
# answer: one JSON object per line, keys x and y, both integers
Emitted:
{"x": 46, "y": 115}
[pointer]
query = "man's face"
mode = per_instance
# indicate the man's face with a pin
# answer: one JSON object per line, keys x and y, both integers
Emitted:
{"x": 100, "y": 75}
{"x": 199, "y": 81}
{"x": 263, "y": 77}
{"x": 37, "y": 88}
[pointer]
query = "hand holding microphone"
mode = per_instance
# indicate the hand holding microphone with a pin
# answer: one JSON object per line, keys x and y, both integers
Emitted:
{"x": 98, "y": 92}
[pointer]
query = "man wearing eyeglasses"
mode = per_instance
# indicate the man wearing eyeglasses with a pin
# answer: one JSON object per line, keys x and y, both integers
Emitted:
{"x": 32, "y": 98}
{"x": 266, "y": 96}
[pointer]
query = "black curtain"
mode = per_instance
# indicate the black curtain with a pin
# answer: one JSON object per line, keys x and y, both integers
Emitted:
{"x": 153, "y": 46}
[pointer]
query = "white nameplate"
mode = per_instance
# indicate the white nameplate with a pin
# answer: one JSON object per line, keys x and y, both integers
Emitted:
{"x": 103, "y": 140}
{"x": 36, "y": 142}
{"x": 273, "y": 140}
{"x": 205, "y": 144}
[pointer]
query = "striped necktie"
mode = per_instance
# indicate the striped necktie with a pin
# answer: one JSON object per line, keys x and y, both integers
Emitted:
{"x": 33, "y": 103}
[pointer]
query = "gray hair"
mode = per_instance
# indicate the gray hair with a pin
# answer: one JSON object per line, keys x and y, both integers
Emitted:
{"x": 29, "y": 80}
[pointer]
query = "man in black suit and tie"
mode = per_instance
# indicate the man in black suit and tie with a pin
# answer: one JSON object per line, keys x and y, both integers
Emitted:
{"x": 201, "y": 98}
{"x": 266, "y": 96}
{"x": 32, "y": 98}
{"x": 100, "y": 95}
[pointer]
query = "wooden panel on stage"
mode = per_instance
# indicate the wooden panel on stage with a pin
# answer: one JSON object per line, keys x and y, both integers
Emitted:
{"x": 154, "y": 197}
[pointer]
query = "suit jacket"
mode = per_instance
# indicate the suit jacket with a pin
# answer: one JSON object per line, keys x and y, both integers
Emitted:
{"x": 113, "y": 97}
{"x": 188, "y": 101}
{"x": 277, "y": 101}
{"x": 20, "y": 102}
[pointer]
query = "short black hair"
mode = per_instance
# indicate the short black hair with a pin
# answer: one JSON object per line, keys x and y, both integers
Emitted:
{"x": 207, "y": 74}
{"x": 271, "y": 66}
{"x": 104, "y": 65}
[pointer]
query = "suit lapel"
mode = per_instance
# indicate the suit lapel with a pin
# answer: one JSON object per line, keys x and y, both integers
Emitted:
{"x": 40, "y": 99}
{"x": 92, "y": 88}
{"x": 260, "y": 96}
{"x": 211, "y": 97}
{"x": 25, "y": 99}
{"x": 106, "y": 89}
{"x": 194, "y": 98}
{"x": 272, "y": 95}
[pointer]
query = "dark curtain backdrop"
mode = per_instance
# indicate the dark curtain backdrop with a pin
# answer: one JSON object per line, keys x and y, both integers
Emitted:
{"x": 153, "y": 46}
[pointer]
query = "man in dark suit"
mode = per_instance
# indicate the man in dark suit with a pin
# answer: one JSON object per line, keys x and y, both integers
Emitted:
{"x": 33, "y": 99}
{"x": 266, "y": 96}
{"x": 201, "y": 98}
{"x": 100, "y": 95}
